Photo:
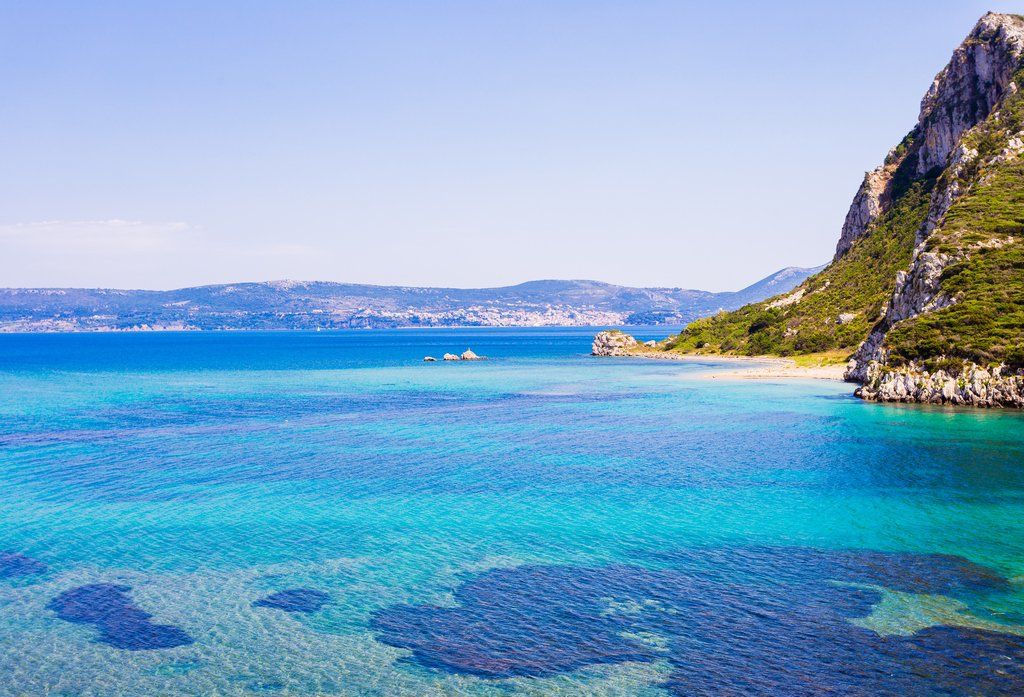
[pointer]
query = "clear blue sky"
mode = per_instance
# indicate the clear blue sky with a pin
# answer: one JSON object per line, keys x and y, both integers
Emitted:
{"x": 477, "y": 143}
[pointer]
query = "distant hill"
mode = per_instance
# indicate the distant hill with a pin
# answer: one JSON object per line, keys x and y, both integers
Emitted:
{"x": 322, "y": 305}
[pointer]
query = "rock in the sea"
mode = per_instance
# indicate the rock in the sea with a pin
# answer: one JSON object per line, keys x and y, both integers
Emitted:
{"x": 613, "y": 343}
{"x": 429, "y": 359}
{"x": 468, "y": 355}
{"x": 450, "y": 357}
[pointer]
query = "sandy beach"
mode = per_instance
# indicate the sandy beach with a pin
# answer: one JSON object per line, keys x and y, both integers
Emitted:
{"x": 751, "y": 367}
{"x": 777, "y": 369}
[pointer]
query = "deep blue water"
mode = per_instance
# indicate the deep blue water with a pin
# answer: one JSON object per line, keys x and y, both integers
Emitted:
{"x": 324, "y": 513}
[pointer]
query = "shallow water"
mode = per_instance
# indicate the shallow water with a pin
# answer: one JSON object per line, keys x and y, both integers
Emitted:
{"x": 323, "y": 513}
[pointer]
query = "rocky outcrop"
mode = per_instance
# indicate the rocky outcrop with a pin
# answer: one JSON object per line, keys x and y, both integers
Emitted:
{"x": 965, "y": 92}
{"x": 450, "y": 357}
{"x": 613, "y": 343}
{"x": 871, "y": 200}
{"x": 468, "y": 355}
{"x": 787, "y": 300}
{"x": 971, "y": 386}
{"x": 916, "y": 291}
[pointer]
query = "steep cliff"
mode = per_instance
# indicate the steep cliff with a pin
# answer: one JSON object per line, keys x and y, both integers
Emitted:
{"x": 927, "y": 283}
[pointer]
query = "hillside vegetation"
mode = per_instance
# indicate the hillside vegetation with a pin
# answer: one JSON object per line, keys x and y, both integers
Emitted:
{"x": 816, "y": 317}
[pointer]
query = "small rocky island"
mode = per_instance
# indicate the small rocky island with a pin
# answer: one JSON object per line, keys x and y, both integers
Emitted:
{"x": 466, "y": 355}
{"x": 615, "y": 342}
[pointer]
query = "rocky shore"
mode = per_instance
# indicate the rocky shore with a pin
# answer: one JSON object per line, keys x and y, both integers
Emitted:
{"x": 969, "y": 385}
{"x": 972, "y": 385}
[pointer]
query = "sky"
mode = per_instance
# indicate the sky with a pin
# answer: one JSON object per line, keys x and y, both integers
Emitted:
{"x": 443, "y": 143}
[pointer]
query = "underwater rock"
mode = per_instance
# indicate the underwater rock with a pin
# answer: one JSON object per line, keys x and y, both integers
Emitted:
{"x": 728, "y": 621}
{"x": 13, "y": 565}
{"x": 121, "y": 624}
{"x": 295, "y": 600}
{"x": 533, "y": 620}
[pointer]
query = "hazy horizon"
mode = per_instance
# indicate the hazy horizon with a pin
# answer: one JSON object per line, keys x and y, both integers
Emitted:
{"x": 459, "y": 145}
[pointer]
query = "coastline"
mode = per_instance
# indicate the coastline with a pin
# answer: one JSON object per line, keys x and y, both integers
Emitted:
{"x": 820, "y": 366}
{"x": 968, "y": 384}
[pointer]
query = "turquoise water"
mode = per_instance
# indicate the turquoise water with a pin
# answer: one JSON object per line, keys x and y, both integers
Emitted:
{"x": 323, "y": 513}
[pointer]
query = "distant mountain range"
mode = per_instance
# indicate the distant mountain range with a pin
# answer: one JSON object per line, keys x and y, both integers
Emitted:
{"x": 322, "y": 305}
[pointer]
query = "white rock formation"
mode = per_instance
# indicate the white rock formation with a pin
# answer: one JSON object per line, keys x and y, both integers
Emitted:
{"x": 972, "y": 386}
{"x": 787, "y": 300}
{"x": 613, "y": 343}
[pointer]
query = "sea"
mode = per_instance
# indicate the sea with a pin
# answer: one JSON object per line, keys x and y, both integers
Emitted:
{"x": 324, "y": 513}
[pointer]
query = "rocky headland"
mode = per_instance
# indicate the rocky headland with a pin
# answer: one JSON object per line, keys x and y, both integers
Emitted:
{"x": 925, "y": 294}
{"x": 970, "y": 128}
